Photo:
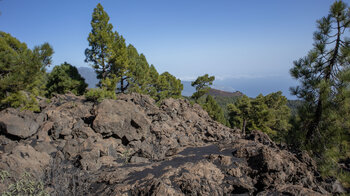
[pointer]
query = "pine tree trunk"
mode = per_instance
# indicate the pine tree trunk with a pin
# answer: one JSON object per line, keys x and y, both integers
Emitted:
{"x": 122, "y": 85}
{"x": 244, "y": 125}
{"x": 104, "y": 71}
{"x": 328, "y": 72}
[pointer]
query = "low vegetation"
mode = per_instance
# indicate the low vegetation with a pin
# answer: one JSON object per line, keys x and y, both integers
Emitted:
{"x": 27, "y": 184}
{"x": 106, "y": 90}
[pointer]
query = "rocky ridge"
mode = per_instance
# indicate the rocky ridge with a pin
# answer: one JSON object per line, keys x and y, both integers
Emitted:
{"x": 131, "y": 146}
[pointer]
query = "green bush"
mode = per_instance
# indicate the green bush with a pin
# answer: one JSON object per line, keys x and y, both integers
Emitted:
{"x": 97, "y": 95}
{"x": 21, "y": 99}
{"x": 107, "y": 90}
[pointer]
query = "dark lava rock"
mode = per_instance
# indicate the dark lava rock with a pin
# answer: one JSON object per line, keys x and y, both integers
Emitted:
{"x": 131, "y": 146}
{"x": 18, "y": 124}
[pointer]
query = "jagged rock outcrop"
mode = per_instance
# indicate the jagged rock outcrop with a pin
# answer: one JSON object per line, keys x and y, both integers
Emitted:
{"x": 131, "y": 146}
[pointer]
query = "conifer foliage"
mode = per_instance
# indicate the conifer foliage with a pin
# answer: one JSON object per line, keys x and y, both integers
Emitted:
{"x": 269, "y": 114}
{"x": 322, "y": 125}
{"x": 22, "y": 72}
{"x": 110, "y": 55}
{"x": 100, "y": 40}
{"x": 324, "y": 81}
{"x": 64, "y": 78}
{"x": 214, "y": 110}
{"x": 202, "y": 85}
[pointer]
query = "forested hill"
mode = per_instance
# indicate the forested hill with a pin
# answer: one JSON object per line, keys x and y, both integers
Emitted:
{"x": 216, "y": 92}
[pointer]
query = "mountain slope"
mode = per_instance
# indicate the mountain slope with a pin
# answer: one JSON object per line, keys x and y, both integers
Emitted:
{"x": 89, "y": 75}
{"x": 220, "y": 93}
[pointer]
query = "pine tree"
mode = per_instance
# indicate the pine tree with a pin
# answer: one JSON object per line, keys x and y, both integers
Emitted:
{"x": 106, "y": 90}
{"x": 269, "y": 114}
{"x": 120, "y": 62}
{"x": 260, "y": 116}
{"x": 280, "y": 115}
{"x": 22, "y": 72}
{"x": 320, "y": 74}
{"x": 64, "y": 78}
{"x": 214, "y": 110}
{"x": 100, "y": 40}
{"x": 139, "y": 69}
{"x": 239, "y": 113}
{"x": 153, "y": 80}
{"x": 202, "y": 84}
{"x": 168, "y": 86}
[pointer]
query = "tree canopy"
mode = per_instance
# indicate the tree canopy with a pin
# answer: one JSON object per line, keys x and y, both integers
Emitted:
{"x": 100, "y": 40}
{"x": 110, "y": 55}
{"x": 322, "y": 123}
{"x": 202, "y": 85}
{"x": 214, "y": 110}
{"x": 324, "y": 79}
{"x": 209, "y": 104}
{"x": 22, "y": 72}
{"x": 269, "y": 114}
{"x": 64, "y": 78}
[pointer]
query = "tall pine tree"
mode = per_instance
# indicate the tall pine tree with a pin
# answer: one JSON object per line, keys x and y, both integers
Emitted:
{"x": 239, "y": 113}
{"x": 321, "y": 76}
{"x": 100, "y": 39}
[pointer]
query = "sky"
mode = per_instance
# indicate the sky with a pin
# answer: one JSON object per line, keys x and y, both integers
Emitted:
{"x": 234, "y": 40}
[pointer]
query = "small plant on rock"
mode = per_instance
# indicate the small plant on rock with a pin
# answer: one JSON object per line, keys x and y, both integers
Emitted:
{"x": 26, "y": 185}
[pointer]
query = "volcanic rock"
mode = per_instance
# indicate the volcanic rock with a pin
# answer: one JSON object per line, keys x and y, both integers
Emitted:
{"x": 132, "y": 146}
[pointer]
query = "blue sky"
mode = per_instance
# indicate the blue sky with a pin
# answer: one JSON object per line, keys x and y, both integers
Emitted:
{"x": 230, "y": 39}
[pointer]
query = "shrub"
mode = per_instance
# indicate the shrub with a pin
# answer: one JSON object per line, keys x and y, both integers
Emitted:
{"x": 21, "y": 99}
{"x": 97, "y": 95}
{"x": 107, "y": 90}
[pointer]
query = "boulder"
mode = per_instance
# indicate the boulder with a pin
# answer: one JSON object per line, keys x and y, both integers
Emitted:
{"x": 19, "y": 124}
{"x": 122, "y": 119}
{"x": 24, "y": 158}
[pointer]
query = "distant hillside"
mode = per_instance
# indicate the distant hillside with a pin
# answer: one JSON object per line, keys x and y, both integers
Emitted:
{"x": 89, "y": 75}
{"x": 220, "y": 93}
{"x": 223, "y": 98}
